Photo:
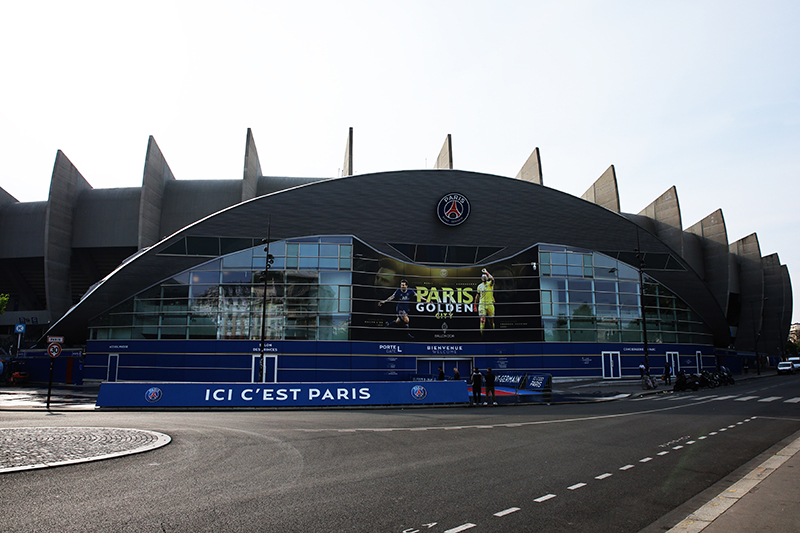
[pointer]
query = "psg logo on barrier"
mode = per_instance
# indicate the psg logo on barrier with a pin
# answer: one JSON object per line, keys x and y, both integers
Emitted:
{"x": 453, "y": 209}
{"x": 418, "y": 392}
{"x": 153, "y": 394}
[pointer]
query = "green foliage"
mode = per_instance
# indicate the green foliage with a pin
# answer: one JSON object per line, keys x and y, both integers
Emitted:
{"x": 3, "y": 302}
{"x": 792, "y": 348}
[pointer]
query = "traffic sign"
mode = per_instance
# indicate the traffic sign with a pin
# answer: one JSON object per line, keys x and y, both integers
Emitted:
{"x": 54, "y": 349}
{"x": 59, "y": 340}
{"x": 19, "y": 328}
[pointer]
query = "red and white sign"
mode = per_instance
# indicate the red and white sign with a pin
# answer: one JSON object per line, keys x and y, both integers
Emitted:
{"x": 54, "y": 349}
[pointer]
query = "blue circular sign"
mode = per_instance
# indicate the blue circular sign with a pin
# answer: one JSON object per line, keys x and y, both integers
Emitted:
{"x": 153, "y": 394}
{"x": 453, "y": 209}
{"x": 418, "y": 392}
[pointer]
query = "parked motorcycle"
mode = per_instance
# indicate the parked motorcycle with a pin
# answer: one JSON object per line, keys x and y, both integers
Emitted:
{"x": 707, "y": 379}
{"x": 725, "y": 376}
{"x": 686, "y": 381}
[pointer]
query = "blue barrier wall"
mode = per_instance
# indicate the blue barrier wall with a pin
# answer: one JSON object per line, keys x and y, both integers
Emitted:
{"x": 285, "y": 395}
{"x": 331, "y": 361}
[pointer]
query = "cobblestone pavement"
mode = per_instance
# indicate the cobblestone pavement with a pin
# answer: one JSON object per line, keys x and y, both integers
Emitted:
{"x": 42, "y": 447}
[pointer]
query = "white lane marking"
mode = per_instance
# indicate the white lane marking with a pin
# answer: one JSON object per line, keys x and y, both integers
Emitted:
{"x": 746, "y": 398}
{"x": 723, "y": 429}
{"x": 726, "y": 397}
{"x": 544, "y": 498}
{"x": 702, "y": 438}
{"x": 792, "y": 400}
{"x": 770, "y": 399}
{"x": 507, "y": 511}
{"x": 645, "y": 460}
{"x": 663, "y": 453}
{"x": 603, "y": 476}
{"x": 626, "y": 467}
{"x": 460, "y": 528}
{"x": 576, "y": 486}
{"x": 678, "y": 447}
{"x": 690, "y": 441}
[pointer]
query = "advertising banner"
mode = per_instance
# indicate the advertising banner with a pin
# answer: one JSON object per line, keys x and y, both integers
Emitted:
{"x": 279, "y": 395}
{"x": 498, "y": 302}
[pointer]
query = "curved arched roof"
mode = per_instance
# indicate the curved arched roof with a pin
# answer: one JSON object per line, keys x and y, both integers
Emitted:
{"x": 401, "y": 207}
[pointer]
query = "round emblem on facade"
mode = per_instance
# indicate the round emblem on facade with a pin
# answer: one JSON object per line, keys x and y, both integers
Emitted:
{"x": 153, "y": 394}
{"x": 453, "y": 209}
{"x": 418, "y": 392}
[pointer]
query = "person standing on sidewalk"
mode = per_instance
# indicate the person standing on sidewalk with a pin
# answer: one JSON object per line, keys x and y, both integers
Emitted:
{"x": 490, "y": 387}
{"x": 477, "y": 383}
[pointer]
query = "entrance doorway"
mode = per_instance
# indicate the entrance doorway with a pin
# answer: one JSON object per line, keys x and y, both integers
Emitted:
{"x": 612, "y": 367}
{"x": 113, "y": 365}
{"x": 265, "y": 371}
{"x": 674, "y": 359}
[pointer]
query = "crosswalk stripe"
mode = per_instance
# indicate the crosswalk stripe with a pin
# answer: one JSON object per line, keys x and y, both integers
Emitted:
{"x": 770, "y": 399}
{"x": 793, "y": 400}
{"x": 746, "y": 398}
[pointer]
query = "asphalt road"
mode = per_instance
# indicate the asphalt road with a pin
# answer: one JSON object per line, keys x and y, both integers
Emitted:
{"x": 618, "y": 466}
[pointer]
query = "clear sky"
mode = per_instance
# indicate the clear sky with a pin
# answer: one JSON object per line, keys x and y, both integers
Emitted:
{"x": 703, "y": 95}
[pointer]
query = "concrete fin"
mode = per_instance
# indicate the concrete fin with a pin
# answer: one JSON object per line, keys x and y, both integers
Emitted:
{"x": 6, "y": 198}
{"x": 445, "y": 159}
{"x": 665, "y": 212}
{"x": 252, "y": 168}
{"x": 532, "y": 169}
{"x": 604, "y": 192}
{"x": 156, "y": 175}
{"x": 751, "y": 281}
{"x": 706, "y": 250}
{"x": 788, "y": 301}
{"x": 347, "y": 166}
{"x": 773, "y": 336}
{"x": 65, "y": 186}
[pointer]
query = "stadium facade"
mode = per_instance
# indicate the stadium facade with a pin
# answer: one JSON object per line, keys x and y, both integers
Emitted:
{"x": 170, "y": 281}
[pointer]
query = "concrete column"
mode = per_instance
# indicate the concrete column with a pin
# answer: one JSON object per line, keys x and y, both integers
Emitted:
{"x": 156, "y": 174}
{"x": 532, "y": 169}
{"x": 65, "y": 187}
{"x": 445, "y": 159}
{"x": 604, "y": 192}
{"x": 252, "y": 168}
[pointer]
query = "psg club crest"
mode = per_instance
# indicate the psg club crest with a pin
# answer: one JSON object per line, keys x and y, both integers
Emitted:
{"x": 153, "y": 394}
{"x": 453, "y": 209}
{"x": 418, "y": 392}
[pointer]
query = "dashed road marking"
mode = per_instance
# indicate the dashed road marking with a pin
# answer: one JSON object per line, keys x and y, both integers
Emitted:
{"x": 626, "y": 467}
{"x": 603, "y": 476}
{"x": 576, "y": 486}
{"x": 460, "y": 528}
{"x": 544, "y": 498}
{"x": 646, "y": 460}
{"x": 770, "y": 399}
{"x": 507, "y": 511}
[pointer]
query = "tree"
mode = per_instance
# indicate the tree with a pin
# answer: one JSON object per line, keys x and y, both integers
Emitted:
{"x": 3, "y": 302}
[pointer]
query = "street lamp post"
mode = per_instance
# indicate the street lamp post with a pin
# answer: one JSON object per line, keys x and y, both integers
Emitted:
{"x": 640, "y": 256}
{"x": 269, "y": 261}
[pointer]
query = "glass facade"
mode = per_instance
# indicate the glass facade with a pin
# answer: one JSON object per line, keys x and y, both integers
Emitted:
{"x": 590, "y": 297}
{"x": 306, "y": 294}
{"x": 314, "y": 291}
